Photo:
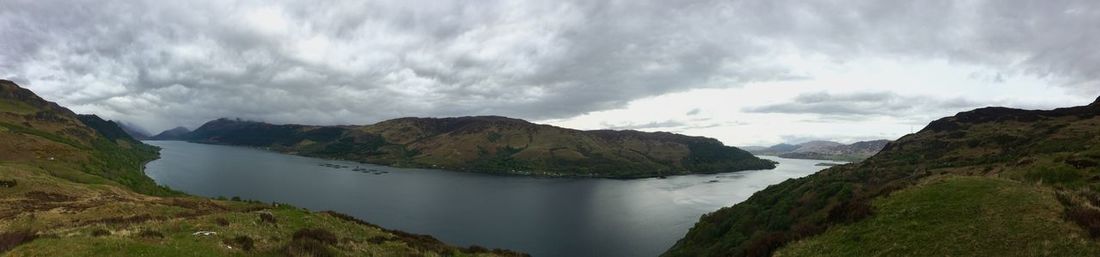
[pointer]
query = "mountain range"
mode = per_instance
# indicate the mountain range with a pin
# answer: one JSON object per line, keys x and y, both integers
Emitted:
{"x": 73, "y": 185}
{"x": 989, "y": 182}
{"x": 823, "y": 150}
{"x": 489, "y": 144}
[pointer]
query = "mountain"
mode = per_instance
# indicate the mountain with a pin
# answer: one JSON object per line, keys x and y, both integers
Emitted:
{"x": 825, "y": 150}
{"x": 775, "y": 149}
{"x": 73, "y": 185}
{"x": 491, "y": 144}
{"x": 172, "y": 134}
{"x": 133, "y": 130}
{"x": 988, "y": 182}
{"x": 109, "y": 129}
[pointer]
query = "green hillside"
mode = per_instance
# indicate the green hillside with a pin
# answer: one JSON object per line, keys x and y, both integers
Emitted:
{"x": 73, "y": 186}
{"x": 988, "y": 182}
{"x": 491, "y": 144}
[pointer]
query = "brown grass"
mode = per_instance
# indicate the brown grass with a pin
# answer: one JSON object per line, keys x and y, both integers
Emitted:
{"x": 9, "y": 240}
{"x": 48, "y": 197}
{"x": 150, "y": 234}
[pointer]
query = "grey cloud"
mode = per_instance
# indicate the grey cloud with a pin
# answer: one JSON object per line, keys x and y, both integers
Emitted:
{"x": 646, "y": 126}
{"x": 914, "y": 110}
{"x": 861, "y": 106}
{"x": 798, "y": 139}
{"x": 672, "y": 125}
{"x": 165, "y": 63}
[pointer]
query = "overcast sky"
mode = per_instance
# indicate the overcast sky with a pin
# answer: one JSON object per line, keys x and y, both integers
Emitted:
{"x": 754, "y": 72}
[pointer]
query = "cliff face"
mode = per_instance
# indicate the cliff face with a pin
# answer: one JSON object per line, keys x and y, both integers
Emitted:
{"x": 988, "y": 151}
{"x": 493, "y": 145}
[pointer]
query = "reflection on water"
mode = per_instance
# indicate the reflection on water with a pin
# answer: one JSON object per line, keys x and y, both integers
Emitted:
{"x": 541, "y": 216}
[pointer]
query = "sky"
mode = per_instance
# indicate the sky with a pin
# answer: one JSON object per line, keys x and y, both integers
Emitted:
{"x": 747, "y": 72}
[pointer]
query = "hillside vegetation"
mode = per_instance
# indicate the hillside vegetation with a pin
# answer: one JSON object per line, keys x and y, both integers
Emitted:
{"x": 72, "y": 185}
{"x": 989, "y": 182}
{"x": 491, "y": 144}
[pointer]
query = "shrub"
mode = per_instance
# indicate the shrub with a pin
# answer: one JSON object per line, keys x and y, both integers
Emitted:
{"x": 243, "y": 242}
{"x": 150, "y": 234}
{"x": 308, "y": 247}
{"x": 221, "y": 222}
{"x": 377, "y": 240}
{"x": 1087, "y": 218}
{"x": 765, "y": 245}
{"x": 267, "y": 217}
{"x": 318, "y": 234}
{"x": 100, "y": 232}
{"x": 850, "y": 211}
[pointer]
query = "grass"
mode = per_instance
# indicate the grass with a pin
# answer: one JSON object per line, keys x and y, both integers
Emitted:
{"x": 957, "y": 216}
{"x": 298, "y": 231}
{"x": 16, "y": 107}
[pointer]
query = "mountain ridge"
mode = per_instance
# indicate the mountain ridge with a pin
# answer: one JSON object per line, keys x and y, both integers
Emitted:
{"x": 490, "y": 144}
{"x": 825, "y": 150}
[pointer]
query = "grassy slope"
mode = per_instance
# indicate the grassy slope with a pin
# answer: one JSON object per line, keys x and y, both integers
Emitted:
{"x": 492, "y": 145}
{"x": 67, "y": 190}
{"x": 957, "y": 216}
{"x": 1057, "y": 150}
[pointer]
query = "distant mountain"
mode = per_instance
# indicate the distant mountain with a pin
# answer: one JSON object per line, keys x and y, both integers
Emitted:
{"x": 824, "y": 150}
{"x": 989, "y": 182}
{"x": 775, "y": 149}
{"x": 109, "y": 129}
{"x": 133, "y": 130}
{"x": 491, "y": 144}
{"x": 176, "y": 133}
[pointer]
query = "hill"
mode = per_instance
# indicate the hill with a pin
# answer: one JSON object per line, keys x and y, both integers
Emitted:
{"x": 988, "y": 182}
{"x": 491, "y": 144}
{"x": 825, "y": 150}
{"x": 176, "y": 133}
{"x": 72, "y": 185}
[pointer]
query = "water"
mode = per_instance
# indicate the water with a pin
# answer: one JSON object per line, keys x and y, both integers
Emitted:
{"x": 542, "y": 216}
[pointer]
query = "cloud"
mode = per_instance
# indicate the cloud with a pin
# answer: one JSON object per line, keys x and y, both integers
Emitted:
{"x": 799, "y": 139}
{"x": 866, "y": 104}
{"x": 647, "y": 125}
{"x": 870, "y": 105}
{"x": 671, "y": 125}
{"x": 164, "y": 64}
